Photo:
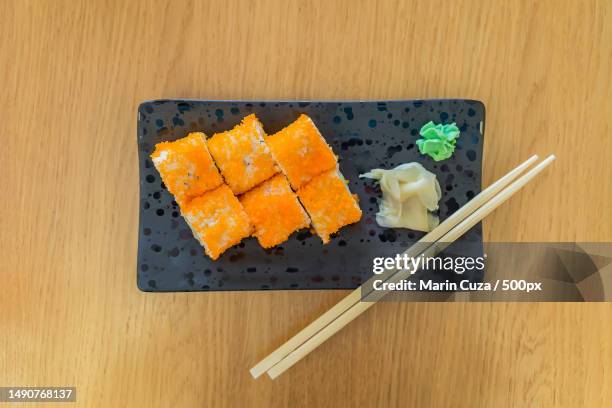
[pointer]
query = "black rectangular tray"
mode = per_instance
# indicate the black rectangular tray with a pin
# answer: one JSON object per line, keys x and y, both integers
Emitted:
{"x": 365, "y": 135}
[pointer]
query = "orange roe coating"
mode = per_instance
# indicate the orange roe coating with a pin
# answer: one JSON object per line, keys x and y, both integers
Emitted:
{"x": 186, "y": 167}
{"x": 242, "y": 155}
{"x": 329, "y": 203}
{"x": 274, "y": 210}
{"x": 217, "y": 220}
{"x": 301, "y": 151}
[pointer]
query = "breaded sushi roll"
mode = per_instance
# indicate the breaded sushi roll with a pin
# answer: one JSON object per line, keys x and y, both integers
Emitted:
{"x": 186, "y": 167}
{"x": 217, "y": 220}
{"x": 274, "y": 210}
{"x": 242, "y": 155}
{"x": 329, "y": 203}
{"x": 301, "y": 151}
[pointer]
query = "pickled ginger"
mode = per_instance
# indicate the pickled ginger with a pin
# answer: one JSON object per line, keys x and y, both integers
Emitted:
{"x": 410, "y": 195}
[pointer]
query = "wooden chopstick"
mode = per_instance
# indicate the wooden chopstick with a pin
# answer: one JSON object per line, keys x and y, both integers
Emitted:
{"x": 446, "y": 240}
{"x": 355, "y": 296}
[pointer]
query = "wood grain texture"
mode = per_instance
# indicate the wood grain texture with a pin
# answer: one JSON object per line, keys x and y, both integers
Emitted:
{"x": 73, "y": 73}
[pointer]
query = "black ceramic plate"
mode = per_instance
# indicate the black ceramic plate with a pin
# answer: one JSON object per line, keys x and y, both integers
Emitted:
{"x": 364, "y": 135}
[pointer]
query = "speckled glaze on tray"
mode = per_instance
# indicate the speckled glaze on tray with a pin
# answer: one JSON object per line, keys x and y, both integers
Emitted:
{"x": 364, "y": 135}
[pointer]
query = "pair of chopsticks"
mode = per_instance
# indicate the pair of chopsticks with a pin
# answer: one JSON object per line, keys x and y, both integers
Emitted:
{"x": 431, "y": 244}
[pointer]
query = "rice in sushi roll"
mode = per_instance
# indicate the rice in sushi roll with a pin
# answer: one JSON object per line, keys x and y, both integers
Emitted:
{"x": 329, "y": 203}
{"x": 242, "y": 155}
{"x": 301, "y": 151}
{"x": 186, "y": 167}
{"x": 274, "y": 210}
{"x": 217, "y": 220}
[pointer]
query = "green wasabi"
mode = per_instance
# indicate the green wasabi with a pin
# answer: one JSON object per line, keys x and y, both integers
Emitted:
{"x": 438, "y": 141}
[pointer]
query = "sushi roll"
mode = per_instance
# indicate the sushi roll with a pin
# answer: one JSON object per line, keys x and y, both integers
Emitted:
{"x": 301, "y": 151}
{"x": 186, "y": 167}
{"x": 217, "y": 220}
{"x": 329, "y": 203}
{"x": 242, "y": 155}
{"x": 274, "y": 210}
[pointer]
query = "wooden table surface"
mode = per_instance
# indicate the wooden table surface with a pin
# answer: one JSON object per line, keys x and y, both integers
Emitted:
{"x": 73, "y": 73}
